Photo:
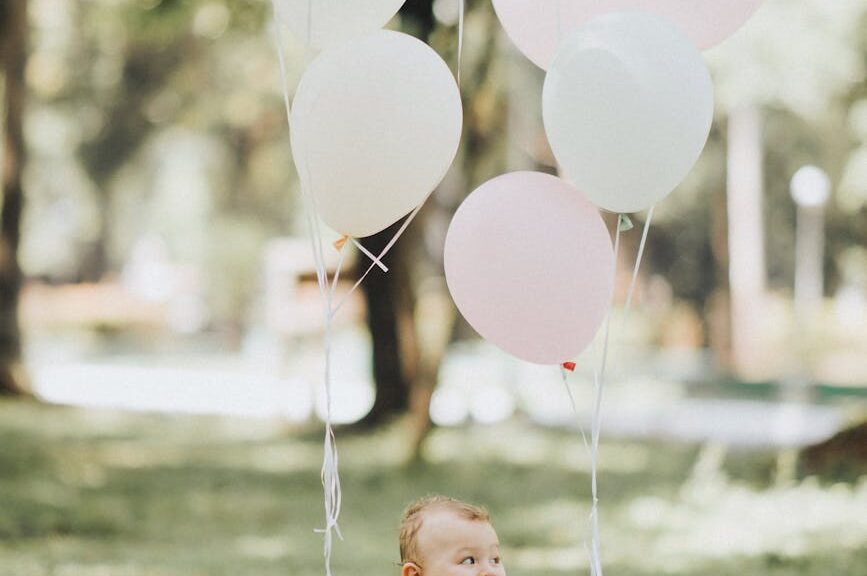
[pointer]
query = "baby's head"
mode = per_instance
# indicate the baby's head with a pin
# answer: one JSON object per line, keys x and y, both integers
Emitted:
{"x": 441, "y": 536}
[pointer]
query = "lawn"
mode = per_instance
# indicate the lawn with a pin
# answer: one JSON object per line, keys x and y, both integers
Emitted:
{"x": 101, "y": 493}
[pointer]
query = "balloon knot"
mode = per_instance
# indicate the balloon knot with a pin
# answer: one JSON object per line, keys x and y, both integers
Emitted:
{"x": 624, "y": 223}
{"x": 341, "y": 242}
{"x": 570, "y": 366}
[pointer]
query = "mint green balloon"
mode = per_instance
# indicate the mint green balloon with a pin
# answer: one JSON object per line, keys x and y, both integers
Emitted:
{"x": 627, "y": 106}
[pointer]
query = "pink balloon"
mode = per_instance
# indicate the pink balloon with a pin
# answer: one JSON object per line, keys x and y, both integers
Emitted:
{"x": 536, "y": 26}
{"x": 530, "y": 265}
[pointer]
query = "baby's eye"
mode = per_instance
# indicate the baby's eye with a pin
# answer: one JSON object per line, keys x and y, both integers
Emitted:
{"x": 468, "y": 560}
{"x": 496, "y": 560}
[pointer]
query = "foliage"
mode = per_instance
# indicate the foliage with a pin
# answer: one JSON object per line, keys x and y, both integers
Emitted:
{"x": 172, "y": 100}
{"x": 91, "y": 492}
{"x": 145, "y": 70}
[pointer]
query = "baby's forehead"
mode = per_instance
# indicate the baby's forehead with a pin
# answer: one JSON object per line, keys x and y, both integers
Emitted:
{"x": 442, "y": 524}
{"x": 437, "y": 515}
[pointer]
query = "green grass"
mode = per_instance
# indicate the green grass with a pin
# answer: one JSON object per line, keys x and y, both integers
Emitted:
{"x": 97, "y": 493}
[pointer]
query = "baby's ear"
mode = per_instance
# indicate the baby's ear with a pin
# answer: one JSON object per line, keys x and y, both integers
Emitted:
{"x": 410, "y": 569}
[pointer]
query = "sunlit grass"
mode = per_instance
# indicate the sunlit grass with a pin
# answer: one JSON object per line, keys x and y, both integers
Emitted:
{"x": 92, "y": 493}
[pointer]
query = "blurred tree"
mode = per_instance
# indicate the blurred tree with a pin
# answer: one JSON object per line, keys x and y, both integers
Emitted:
{"x": 843, "y": 457}
{"x": 410, "y": 314}
{"x": 159, "y": 43}
{"x": 207, "y": 66}
{"x": 186, "y": 71}
{"x": 13, "y": 50}
{"x": 388, "y": 296}
{"x": 785, "y": 85}
{"x": 797, "y": 91}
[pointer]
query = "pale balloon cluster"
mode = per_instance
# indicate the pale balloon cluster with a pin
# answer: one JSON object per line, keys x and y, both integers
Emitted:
{"x": 627, "y": 108}
{"x": 627, "y": 105}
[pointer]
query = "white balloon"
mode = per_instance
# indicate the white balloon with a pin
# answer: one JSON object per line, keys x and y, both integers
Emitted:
{"x": 627, "y": 106}
{"x": 375, "y": 126}
{"x": 536, "y": 26}
{"x": 323, "y": 23}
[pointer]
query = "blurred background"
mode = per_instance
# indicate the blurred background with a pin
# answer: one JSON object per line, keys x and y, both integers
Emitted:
{"x": 161, "y": 329}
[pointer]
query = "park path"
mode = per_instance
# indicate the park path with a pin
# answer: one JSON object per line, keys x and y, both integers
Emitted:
{"x": 477, "y": 384}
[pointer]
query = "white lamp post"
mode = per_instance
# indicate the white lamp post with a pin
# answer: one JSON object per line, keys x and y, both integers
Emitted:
{"x": 810, "y": 189}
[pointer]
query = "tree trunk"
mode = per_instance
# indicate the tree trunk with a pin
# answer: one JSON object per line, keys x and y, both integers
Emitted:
{"x": 147, "y": 69}
{"x": 13, "y": 24}
{"x": 718, "y": 308}
{"x": 746, "y": 246}
{"x": 435, "y": 316}
{"x": 389, "y": 295}
{"x": 388, "y": 299}
{"x": 840, "y": 458}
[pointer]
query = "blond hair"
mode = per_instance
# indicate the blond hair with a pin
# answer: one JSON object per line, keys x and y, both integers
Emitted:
{"x": 413, "y": 516}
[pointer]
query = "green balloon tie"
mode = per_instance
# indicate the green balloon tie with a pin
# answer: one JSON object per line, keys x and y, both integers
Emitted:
{"x": 624, "y": 224}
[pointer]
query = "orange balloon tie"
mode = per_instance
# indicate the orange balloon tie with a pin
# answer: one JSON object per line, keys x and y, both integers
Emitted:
{"x": 570, "y": 366}
{"x": 341, "y": 242}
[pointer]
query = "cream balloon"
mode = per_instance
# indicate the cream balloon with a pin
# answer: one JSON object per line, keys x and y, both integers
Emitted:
{"x": 375, "y": 126}
{"x": 627, "y": 106}
{"x": 537, "y": 26}
{"x": 323, "y": 23}
{"x": 529, "y": 264}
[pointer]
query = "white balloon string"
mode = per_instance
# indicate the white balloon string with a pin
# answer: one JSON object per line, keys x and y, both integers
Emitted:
{"x": 595, "y": 556}
{"x": 330, "y": 471}
{"x": 330, "y": 475}
{"x": 336, "y": 277}
{"x": 278, "y": 40}
{"x": 381, "y": 255}
{"x": 608, "y": 317}
{"x": 330, "y": 465}
{"x": 574, "y": 406}
{"x": 316, "y": 232}
{"x": 596, "y": 427}
{"x": 376, "y": 261}
{"x": 461, "y": 11}
{"x": 333, "y": 498}
{"x": 599, "y": 382}
{"x": 634, "y": 281}
{"x": 307, "y": 191}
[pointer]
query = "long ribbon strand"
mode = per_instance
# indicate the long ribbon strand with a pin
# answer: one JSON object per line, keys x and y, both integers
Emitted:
{"x": 462, "y": 8}
{"x": 638, "y": 258}
{"x": 330, "y": 464}
{"x": 595, "y": 428}
{"x": 330, "y": 476}
{"x": 598, "y": 383}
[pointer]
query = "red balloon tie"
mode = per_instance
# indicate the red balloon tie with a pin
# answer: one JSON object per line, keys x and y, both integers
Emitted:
{"x": 570, "y": 366}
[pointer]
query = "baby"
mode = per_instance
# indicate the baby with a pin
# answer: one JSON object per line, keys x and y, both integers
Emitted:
{"x": 441, "y": 536}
